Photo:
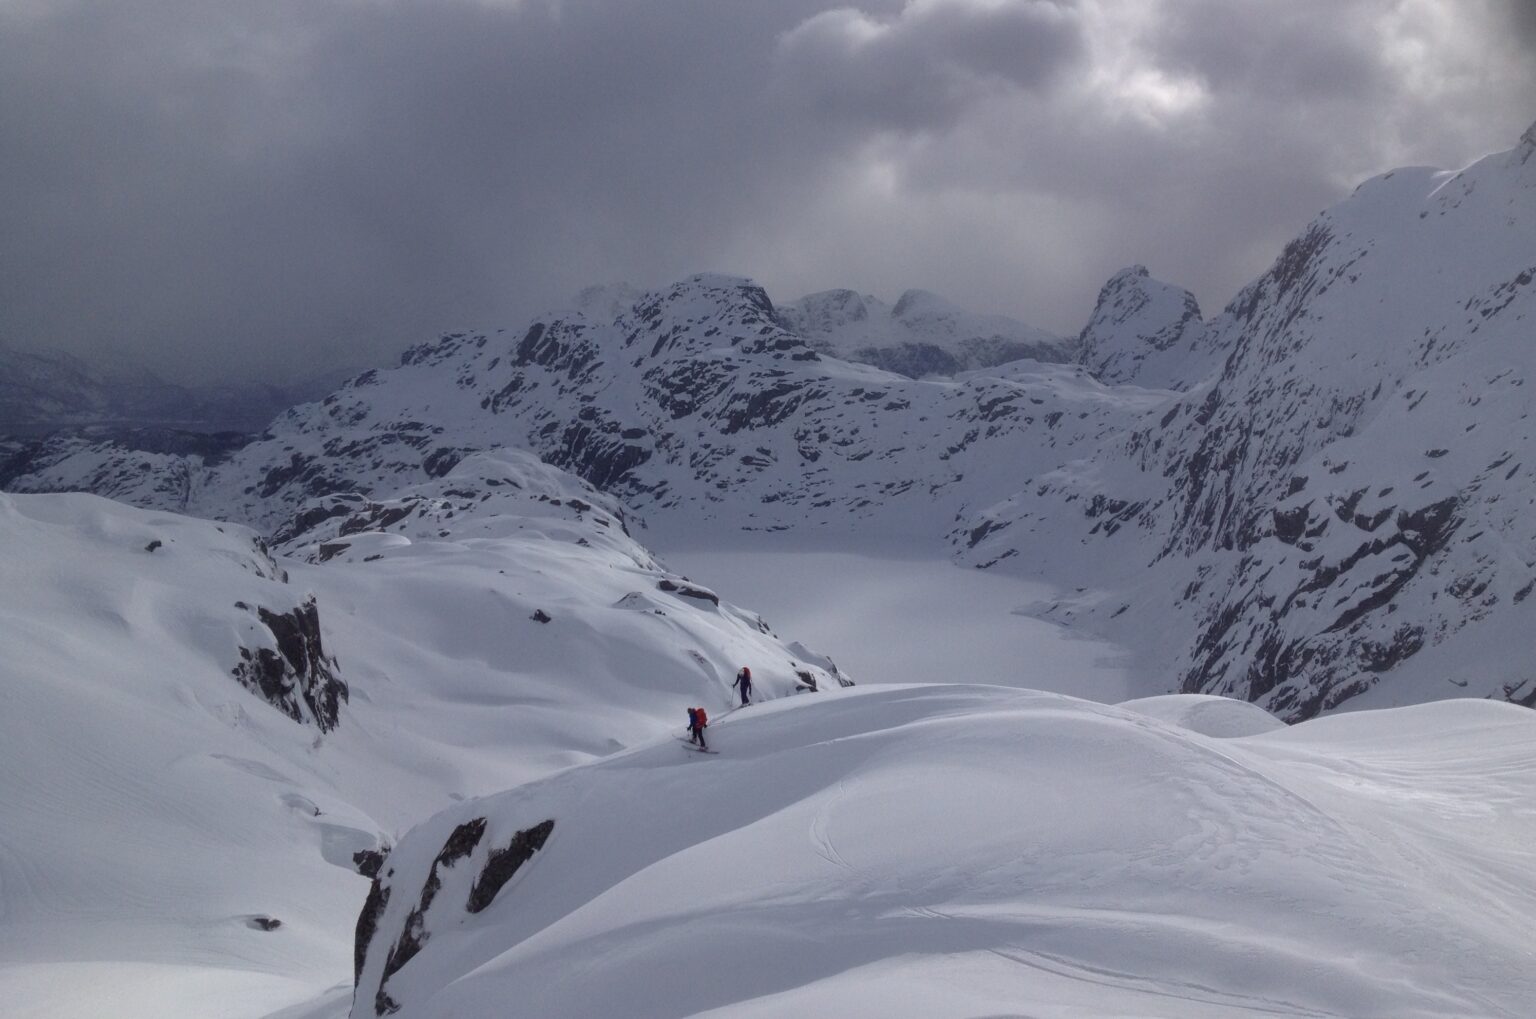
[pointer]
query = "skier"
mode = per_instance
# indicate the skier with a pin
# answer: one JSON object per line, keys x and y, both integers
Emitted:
{"x": 744, "y": 680}
{"x": 697, "y": 720}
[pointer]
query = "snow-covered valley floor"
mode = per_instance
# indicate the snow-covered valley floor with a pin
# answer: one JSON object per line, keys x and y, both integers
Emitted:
{"x": 903, "y": 612}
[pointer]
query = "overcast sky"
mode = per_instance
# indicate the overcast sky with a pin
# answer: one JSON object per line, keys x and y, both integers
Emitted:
{"x": 265, "y": 188}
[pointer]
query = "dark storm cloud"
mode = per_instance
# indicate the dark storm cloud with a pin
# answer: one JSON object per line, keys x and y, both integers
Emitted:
{"x": 1522, "y": 14}
{"x": 1301, "y": 51}
{"x": 231, "y": 187}
{"x": 923, "y": 65}
{"x": 261, "y": 184}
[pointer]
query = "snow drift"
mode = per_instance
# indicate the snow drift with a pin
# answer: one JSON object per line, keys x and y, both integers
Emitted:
{"x": 958, "y": 851}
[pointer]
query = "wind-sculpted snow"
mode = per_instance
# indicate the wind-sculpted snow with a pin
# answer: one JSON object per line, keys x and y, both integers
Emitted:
{"x": 1353, "y": 486}
{"x": 959, "y": 851}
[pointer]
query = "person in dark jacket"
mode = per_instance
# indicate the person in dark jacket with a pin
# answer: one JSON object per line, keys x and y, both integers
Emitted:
{"x": 697, "y": 720}
{"x": 744, "y": 680}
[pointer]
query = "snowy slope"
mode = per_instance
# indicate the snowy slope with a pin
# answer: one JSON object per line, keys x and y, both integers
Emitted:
{"x": 1352, "y": 487}
{"x": 921, "y": 335}
{"x": 198, "y": 735}
{"x": 961, "y": 851}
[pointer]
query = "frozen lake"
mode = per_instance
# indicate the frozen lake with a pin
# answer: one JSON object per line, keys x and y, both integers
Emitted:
{"x": 894, "y": 615}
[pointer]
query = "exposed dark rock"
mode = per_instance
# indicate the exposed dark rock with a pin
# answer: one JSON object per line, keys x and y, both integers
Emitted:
{"x": 331, "y": 549}
{"x": 153, "y": 545}
{"x": 297, "y": 679}
{"x": 263, "y": 923}
{"x": 1291, "y": 524}
{"x": 501, "y": 864}
{"x": 368, "y": 862}
{"x": 689, "y": 591}
{"x": 1522, "y": 693}
{"x": 368, "y": 924}
{"x": 540, "y": 616}
{"x": 313, "y": 517}
{"x": 441, "y": 461}
{"x": 459, "y": 844}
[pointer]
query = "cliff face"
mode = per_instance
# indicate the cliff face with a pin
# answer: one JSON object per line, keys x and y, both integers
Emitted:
{"x": 1351, "y": 486}
{"x": 296, "y": 677}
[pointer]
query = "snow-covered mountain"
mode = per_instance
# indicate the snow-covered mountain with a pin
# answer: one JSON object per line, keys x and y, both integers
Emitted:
{"x": 1146, "y": 332}
{"x": 1318, "y": 489}
{"x": 921, "y": 335}
{"x": 45, "y": 390}
{"x": 695, "y": 400}
{"x": 1347, "y": 500}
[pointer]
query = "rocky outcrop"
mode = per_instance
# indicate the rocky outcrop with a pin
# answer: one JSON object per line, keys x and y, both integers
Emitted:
{"x": 501, "y": 864}
{"x": 476, "y": 875}
{"x": 295, "y": 676}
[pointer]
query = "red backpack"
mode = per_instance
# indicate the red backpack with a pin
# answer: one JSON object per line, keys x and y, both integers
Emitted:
{"x": 703, "y": 717}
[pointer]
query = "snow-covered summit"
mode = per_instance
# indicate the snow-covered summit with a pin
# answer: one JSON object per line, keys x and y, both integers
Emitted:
{"x": 1147, "y": 332}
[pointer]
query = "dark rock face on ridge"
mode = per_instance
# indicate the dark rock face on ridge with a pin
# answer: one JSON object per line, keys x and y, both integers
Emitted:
{"x": 475, "y": 877}
{"x": 296, "y": 677}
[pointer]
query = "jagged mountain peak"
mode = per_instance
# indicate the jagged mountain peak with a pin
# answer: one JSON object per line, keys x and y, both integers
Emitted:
{"x": 1147, "y": 332}
{"x": 710, "y": 299}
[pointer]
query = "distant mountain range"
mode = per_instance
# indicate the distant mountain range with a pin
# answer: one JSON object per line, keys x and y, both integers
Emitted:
{"x": 1321, "y": 492}
{"x": 42, "y": 391}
